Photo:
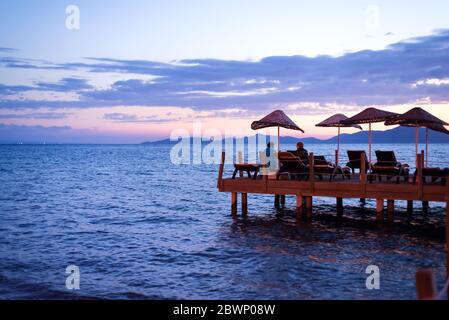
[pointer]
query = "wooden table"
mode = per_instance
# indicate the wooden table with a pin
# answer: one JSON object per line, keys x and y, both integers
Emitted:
{"x": 248, "y": 168}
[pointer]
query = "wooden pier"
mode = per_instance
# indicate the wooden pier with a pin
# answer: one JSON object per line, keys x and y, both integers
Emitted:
{"x": 359, "y": 187}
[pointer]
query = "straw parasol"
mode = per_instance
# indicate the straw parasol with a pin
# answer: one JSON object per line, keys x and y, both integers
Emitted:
{"x": 418, "y": 117}
{"x": 276, "y": 119}
{"x": 370, "y": 115}
{"x": 336, "y": 121}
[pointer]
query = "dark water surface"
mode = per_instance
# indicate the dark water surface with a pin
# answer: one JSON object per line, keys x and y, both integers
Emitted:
{"x": 140, "y": 227}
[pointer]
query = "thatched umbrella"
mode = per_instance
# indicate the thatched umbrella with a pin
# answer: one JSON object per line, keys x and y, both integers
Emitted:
{"x": 370, "y": 115}
{"x": 336, "y": 121}
{"x": 419, "y": 118}
{"x": 276, "y": 119}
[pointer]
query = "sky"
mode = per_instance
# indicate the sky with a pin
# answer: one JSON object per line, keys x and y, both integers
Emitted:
{"x": 114, "y": 71}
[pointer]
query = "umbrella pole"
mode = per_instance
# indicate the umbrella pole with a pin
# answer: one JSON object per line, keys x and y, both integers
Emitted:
{"x": 427, "y": 147}
{"x": 369, "y": 142}
{"x": 338, "y": 147}
{"x": 416, "y": 144}
{"x": 279, "y": 139}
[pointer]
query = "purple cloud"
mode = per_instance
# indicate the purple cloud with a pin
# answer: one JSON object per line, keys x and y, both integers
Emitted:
{"x": 396, "y": 75}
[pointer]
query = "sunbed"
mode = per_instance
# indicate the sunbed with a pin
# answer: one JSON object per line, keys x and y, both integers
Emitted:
{"x": 355, "y": 162}
{"x": 387, "y": 166}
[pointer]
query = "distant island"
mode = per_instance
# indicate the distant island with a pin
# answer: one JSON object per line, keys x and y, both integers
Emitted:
{"x": 393, "y": 136}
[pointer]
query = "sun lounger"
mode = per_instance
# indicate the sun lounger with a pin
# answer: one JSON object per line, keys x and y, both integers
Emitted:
{"x": 355, "y": 162}
{"x": 292, "y": 166}
{"x": 322, "y": 166}
{"x": 387, "y": 166}
{"x": 432, "y": 175}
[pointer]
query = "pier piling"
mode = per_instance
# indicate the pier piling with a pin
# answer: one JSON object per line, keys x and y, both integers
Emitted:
{"x": 282, "y": 200}
{"x": 299, "y": 206}
{"x": 379, "y": 207}
{"x": 309, "y": 206}
{"x": 277, "y": 201}
{"x": 425, "y": 284}
{"x": 244, "y": 204}
{"x": 390, "y": 210}
{"x": 339, "y": 206}
{"x": 234, "y": 203}
{"x": 409, "y": 206}
{"x": 425, "y": 206}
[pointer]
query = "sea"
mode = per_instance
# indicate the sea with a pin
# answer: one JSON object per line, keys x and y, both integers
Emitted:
{"x": 135, "y": 226}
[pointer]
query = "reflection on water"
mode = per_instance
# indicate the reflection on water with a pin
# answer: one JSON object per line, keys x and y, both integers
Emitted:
{"x": 139, "y": 227}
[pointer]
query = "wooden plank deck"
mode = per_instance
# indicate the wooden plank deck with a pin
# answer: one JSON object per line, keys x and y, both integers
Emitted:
{"x": 344, "y": 189}
{"x": 357, "y": 187}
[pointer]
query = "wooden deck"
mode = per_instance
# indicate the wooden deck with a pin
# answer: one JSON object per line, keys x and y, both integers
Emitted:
{"x": 337, "y": 189}
{"x": 357, "y": 187}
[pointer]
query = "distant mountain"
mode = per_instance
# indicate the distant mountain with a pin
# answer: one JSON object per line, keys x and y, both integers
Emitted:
{"x": 396, "y": 135}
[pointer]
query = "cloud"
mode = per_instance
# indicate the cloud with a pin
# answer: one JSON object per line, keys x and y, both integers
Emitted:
{"x": 22, "y": 133}
{"x": 383, "y": 77}
{"x": 6, "y": 90}
{"x": 62, "y": 134}
{"x": 120, "y": 117}
{"x": 4, "y": 49}
{"x": 65, "y": 84}
{"x": 37, "y": 115}
{"x": 133, "y": 118}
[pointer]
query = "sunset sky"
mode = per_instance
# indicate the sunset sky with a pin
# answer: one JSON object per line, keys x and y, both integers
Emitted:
{"x": 135, "y": 70}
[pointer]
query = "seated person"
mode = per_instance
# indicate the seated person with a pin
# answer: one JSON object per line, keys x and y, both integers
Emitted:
{"x": 300, "y": 152}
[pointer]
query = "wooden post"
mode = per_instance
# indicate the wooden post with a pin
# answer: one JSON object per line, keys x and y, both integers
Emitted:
{"x": 312, "y": 172}
{"x": 309, "y": 206}
{"x": 425, "y": 284}
{"x": 337, "y": 155}
{"x": 423, "y": 161}
{"x": 390, "y": 210}
{"x": 410, "y": 206}
{"x": 265, "y": 182}
{"x": 427, "y": 148}
{"x": 277, "y": 201}
{"x": 419, "y": 177}
{"x": 425, "y": 204}
{"x": 234, "y": 203}
{"x": 220, "y": 172}
{"x": 416, "y": 144}
{"x": 283, "y": 200}
{"x": 264, "y": 169}
{"x": 363, "y": 201}
{"x": 339, "y": 206}
{"x": 299, "y": 205}
{"x": 244, "y": 204}
{"x": 363, "y": 172}
{"x": 379, "y": 207}
{"x": 447, "y": 238}
{"x": 240, "y": 160}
